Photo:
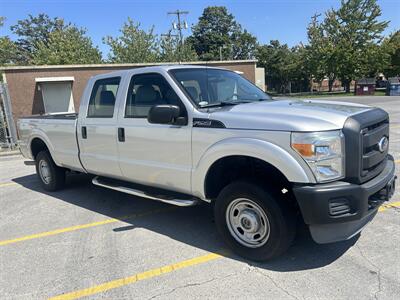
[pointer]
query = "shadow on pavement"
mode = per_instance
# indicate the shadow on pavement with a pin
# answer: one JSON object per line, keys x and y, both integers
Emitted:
{"x": 191, "y": 225}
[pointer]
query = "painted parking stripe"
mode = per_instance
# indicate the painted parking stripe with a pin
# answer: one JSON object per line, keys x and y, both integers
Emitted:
{"x": 386, "y": 206}
{"x": 79, "y": 227}
{"x": 137, "y": 277}
{"x": 7, "y": 184}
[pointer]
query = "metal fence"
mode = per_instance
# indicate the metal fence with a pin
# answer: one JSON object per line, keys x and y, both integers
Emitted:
{"x": 8, "y": 132}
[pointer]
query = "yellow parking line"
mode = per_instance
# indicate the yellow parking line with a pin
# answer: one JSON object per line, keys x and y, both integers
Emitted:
{"x": 384, "y": 207}
{"x": 7, "y": 184}
{"x": 397, "y": 161}
{"x": 77, "y": 227}
{"x": 137, "y": 277}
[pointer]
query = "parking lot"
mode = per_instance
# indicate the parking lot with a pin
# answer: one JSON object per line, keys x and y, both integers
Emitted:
{"x": 90, "y": 241}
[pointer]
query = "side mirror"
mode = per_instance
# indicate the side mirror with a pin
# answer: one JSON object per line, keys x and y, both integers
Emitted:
{"x": 163, "y": 114}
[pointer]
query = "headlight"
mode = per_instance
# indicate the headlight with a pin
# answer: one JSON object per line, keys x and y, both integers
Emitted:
{"x": 323, "y": 151}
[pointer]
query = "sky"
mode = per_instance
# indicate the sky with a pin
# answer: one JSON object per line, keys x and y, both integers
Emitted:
{"x": 284, "y": 20}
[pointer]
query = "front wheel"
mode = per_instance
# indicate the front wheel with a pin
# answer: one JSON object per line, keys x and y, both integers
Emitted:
{"x": 253, "y": 221}
{"x": 51, "y": 176}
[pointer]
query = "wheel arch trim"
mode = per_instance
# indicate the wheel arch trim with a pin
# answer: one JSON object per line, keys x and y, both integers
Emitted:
{"x": 295, "y": 170}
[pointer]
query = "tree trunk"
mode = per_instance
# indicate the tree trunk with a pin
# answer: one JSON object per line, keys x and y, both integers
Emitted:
{"x": 347, "y": 86}
{"x": 330, "y": 84}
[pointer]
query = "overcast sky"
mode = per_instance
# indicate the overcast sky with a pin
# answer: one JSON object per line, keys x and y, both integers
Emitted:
{"x": 285, "y": 20}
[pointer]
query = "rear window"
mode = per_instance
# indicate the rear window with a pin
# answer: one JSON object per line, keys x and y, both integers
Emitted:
{"x": 102, "y": 99}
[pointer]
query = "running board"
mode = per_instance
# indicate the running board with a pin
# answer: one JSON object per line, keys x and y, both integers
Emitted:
{"x": 128, "y": 189}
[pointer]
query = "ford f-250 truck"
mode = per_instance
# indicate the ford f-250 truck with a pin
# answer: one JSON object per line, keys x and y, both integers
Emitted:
{"x": 185, "y": 134}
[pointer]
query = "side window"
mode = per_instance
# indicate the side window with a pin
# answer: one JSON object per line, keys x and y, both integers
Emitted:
{"x": 147, "y": 90}
{"x": 102, "y": 99}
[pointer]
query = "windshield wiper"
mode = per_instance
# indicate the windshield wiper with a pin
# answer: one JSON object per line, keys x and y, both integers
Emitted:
{"x": 223, "y": 103}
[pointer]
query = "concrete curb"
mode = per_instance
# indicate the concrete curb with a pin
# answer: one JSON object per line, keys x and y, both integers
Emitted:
{"x": 10, "y": 153}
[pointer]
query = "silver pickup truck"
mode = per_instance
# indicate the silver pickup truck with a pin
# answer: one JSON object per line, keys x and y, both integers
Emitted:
{"x": 186, "y": 134}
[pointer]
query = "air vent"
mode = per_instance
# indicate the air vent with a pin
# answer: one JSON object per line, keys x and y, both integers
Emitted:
{"x": 339, "y": 206}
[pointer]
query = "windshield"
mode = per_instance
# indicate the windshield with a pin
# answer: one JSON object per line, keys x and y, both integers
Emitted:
{"x": 213, "y": 87}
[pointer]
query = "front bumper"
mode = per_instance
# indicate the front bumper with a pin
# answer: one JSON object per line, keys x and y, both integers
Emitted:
{"x": 338, "y": 211}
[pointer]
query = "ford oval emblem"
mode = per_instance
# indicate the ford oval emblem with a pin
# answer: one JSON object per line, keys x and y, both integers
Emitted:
{"x": 383, "y": 144}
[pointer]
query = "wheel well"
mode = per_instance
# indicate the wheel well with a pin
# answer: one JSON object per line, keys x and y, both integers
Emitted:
{"x": 232, "y": 168}
{"x": 37, "y": 145}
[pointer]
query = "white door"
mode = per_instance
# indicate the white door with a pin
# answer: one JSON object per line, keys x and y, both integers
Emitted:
{"x": 153, "y": 154}
{"x": 57, "y": 97}
{"x": 98, "y": 130}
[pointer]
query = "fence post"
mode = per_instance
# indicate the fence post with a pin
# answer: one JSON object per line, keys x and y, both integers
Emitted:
{"x": 12, "y": 131}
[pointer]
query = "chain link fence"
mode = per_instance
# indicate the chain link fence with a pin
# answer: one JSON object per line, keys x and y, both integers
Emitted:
{"x": 8, "y": 132}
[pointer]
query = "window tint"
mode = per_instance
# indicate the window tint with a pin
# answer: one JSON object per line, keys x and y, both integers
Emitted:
{"x": 147, "y": 90}
{"x": 102, "y": 99}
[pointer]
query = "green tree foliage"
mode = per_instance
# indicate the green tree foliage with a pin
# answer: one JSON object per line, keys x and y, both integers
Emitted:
{"x": 218, "y": 31}
{"x": 8, "y": 48}
{"x": 354, "y": 30}
{"x": 320, "y": 57}
{"x": 282, "y": 65}
{"x": 172, "y": 51}
{"x": 33, "y": 31}
{"x": 391, "y": 48}
{"x": 68, "y": 45}
{"x": 134, "y": 45}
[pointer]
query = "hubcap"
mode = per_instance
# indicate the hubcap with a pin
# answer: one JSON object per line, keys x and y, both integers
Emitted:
{"x": 44, "y": 171}
{"x": 248, "y": 223}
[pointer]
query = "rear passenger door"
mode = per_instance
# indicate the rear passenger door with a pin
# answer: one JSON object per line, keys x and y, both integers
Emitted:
{"x": 97, "y": 129}
{"x": 154, "y": 154}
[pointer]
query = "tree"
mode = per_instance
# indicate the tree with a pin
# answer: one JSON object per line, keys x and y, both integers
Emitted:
{"x": 8, "y": 49}
{"x": 391, "y": 50}
{"x": 135, "y": 45}
{"x": 66, "y": 46}
{"x": 217, "y": 35}
{"x": 354, "y": 30}
{"x": 244, "y": 44}
{"x": 282, "y": 65}
{"x": 33, "y": 31}
{"x": 172, "y": 51}
{"x": 321, "y": 54}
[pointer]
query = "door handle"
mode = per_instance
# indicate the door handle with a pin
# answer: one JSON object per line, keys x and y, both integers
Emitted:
{"x": 121, "y": 134}
{"x": 84, "y": 132}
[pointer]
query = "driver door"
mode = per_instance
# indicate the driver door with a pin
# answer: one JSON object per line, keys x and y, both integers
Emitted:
{"x": 153, "y": 154}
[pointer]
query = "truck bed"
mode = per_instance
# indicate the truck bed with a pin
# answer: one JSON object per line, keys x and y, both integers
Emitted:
{"x": 58, "y": 131}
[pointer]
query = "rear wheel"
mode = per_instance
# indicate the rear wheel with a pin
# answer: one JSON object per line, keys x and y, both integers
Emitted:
{"x": 253, "y": 221}
{"x": 51, "y": 176}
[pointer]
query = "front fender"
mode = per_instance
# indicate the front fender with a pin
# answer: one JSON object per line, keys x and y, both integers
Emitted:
{"x": 294, "y": 168}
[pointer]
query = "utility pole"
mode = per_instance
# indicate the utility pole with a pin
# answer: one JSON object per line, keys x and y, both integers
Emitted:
{"x": 180, "y": 24}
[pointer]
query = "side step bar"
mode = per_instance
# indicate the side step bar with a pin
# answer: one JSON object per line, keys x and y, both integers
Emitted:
{"x": 126, "y": 188}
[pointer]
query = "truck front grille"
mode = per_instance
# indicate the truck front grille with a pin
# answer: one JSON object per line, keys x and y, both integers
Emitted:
{"x": 373, "y": 160}
{"x": 363, "y": 132}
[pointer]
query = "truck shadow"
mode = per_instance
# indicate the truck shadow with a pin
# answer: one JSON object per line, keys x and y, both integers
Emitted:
{"x": 191, "y": 225}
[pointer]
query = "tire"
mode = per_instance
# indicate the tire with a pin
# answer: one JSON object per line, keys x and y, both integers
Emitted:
{"x": 50, "y": 175}
{"x": 253, "y": 222}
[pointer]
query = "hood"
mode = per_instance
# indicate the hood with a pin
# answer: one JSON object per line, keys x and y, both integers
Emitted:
{"x": 287, "y": 115}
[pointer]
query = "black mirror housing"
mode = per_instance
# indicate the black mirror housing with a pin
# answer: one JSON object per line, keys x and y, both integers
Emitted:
{"x": 163, "y": 114}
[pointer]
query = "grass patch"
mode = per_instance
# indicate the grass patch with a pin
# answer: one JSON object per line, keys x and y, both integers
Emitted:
{"x": 325, "y": 95}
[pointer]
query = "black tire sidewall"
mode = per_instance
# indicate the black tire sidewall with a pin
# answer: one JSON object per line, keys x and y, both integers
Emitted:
{"x": 57, "y": 173}
{"x": 280, "y": 227}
